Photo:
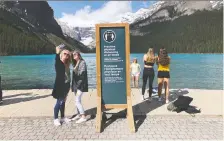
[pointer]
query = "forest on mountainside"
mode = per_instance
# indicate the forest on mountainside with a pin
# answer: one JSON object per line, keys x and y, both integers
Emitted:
{"x": 201, "y": 32}
{"x": 25, "y": 29}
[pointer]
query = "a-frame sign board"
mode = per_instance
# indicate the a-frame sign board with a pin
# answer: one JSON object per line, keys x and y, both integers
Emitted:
{"x": 113, "y": 70}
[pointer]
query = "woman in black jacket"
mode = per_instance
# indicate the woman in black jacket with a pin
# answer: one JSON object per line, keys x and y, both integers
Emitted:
{"x": 79, "y": 84}
{"x": 62, "y": 83}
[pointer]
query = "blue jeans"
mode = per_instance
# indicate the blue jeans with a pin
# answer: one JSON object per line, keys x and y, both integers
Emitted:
{"x": 60, "y": 105}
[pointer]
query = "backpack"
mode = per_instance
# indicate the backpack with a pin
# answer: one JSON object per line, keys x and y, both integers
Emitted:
{"x": 181, "y": 104}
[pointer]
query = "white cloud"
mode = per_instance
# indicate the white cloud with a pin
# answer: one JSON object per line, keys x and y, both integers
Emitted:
{"x": 110, "y": 12}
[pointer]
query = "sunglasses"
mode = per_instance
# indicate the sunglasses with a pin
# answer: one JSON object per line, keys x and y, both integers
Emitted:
{"x": 66, "y": 54}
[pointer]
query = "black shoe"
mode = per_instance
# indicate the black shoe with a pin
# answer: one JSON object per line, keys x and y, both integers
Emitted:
{"x": 1, "y": 101}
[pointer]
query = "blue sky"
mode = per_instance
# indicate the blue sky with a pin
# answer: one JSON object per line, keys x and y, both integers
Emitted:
{"x": 72, "y": 6}
{"x": 86, "y": 13}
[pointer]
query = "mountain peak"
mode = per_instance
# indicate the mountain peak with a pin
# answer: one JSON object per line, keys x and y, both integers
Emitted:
{"x": 158, "y": 11}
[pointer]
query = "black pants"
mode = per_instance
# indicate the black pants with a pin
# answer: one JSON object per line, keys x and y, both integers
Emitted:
{"x": 148, "y": 73}
{"x": 0, "y": 89}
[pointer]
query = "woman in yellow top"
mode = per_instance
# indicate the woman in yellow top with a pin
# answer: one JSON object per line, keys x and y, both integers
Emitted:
{"x": 163, "y": 62}
{"x": 135, "y": 72}
{"x": 148, "y": 72}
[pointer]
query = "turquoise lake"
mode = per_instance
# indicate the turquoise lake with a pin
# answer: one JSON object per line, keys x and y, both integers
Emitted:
{"x": 194, "y": 71}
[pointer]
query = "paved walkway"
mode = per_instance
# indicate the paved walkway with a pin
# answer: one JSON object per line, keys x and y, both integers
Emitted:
{"x": 35, "y": 103}
{"x": 148, "y": 128}
{"x": 27, "y": 115}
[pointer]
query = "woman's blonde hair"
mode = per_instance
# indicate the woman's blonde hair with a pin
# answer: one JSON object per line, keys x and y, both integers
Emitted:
{"x": 68, "y": 60}
{"x": 150, "y": 56}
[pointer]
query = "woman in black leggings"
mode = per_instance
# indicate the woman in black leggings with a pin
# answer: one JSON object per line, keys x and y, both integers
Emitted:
{"x": 148, "y": 72}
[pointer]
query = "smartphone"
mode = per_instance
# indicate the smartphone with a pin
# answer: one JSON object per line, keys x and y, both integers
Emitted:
{"x": 61, "y": 46}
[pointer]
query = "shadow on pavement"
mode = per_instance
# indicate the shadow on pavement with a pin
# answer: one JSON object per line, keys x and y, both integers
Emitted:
{"x": 139, "y": 120}
{"x": 15, "y": 95}
{"x": 141, "y": 110}
{"x": 146, "y": 106}
{"x": 29, "y": 97}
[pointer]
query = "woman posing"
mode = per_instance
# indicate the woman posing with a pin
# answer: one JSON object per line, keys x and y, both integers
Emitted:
{"x": 148, "y": 72}
{"x": 62, "y": 83}
{"x": 79, "y": 84}
{"x": 163, "y": 73}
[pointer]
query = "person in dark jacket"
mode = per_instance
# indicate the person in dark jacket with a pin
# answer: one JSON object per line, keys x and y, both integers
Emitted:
{"x": 79, "y": 84}
{"x": 62, "y": 83}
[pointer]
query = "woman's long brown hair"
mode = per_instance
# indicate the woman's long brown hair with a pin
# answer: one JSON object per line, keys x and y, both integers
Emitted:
{"x": 73, "y": 60}
{"x": 164, "y": 58}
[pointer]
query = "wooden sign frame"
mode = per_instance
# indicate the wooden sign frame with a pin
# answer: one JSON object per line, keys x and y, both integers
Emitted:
{"x": 128, "y": 104}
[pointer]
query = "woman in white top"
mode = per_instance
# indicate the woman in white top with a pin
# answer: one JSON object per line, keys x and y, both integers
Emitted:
{"x": 135, "y": 72}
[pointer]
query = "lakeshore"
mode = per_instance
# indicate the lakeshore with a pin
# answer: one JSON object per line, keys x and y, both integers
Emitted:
{"x": 40, "y": 103}
{"x": 28, "y": 115}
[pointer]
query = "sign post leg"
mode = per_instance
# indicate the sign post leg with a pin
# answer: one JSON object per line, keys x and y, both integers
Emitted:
{"x": 99, "y": 115}
{"x": 130, "y": 116}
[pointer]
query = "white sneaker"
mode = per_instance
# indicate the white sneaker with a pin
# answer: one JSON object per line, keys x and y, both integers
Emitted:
{"x": 76, "y": 117}
{"x": 81, "y": 120}
{"x": 167, "y": 101}
{"x": 143, "y": 98}
{"x": 160, "y": 99}
{"x": 65, "y": 120}
{"x": 57, "y": 122}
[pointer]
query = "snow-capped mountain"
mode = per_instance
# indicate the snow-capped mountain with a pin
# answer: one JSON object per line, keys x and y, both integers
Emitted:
{"x": 183, "y": 7}
{"x": 159, "y": 11}
{"x": 86, "y": 35}
{"x": 217, "y": 4}
{"x": 141, "y": 14}
{"x": 171, "y": 10}
{"x": 69, "y": 31}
